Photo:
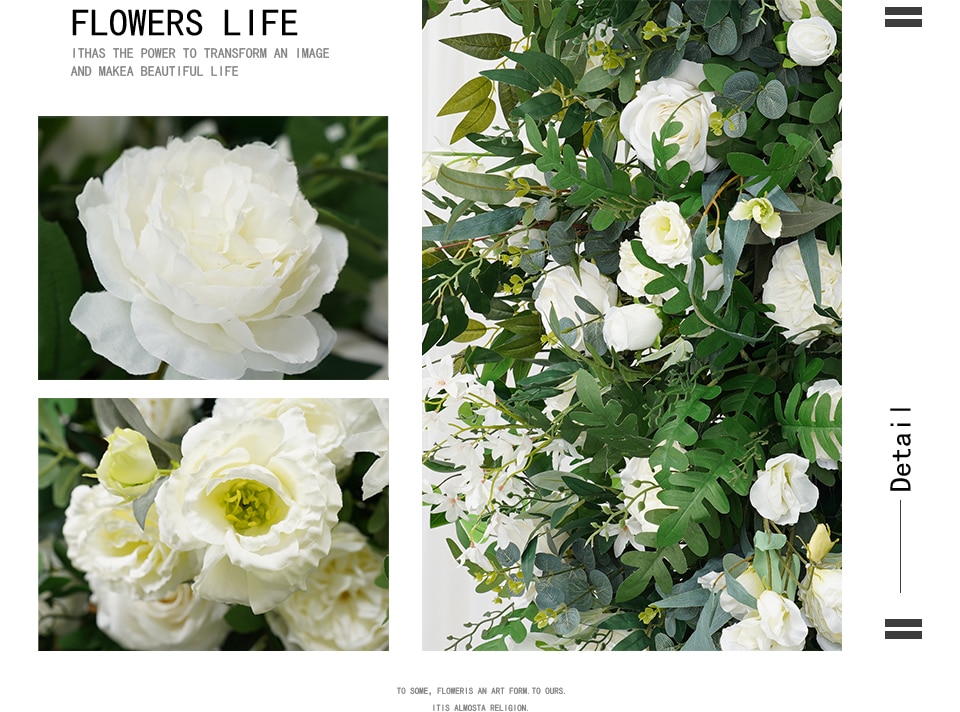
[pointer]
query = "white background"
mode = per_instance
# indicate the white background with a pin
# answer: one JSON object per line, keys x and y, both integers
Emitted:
{"x": 899, "y": 140}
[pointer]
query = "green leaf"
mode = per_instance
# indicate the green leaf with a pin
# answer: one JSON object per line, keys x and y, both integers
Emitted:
{"x": 543, "y": 67}
{"x": 496, "y": 644}
{"x": 486, "y": 45}
{"x": 812, "y": 214}
{"x": 514, "y": 77}
{"x": 734, "y": 238}
{"x": 468, "y": 96}
{"x": 825, "y": 108}
{"x": 723, "y": 37}
{"x": 62, "y": 350}
{"x": 741, "y": 88}
{"x": 772, "y": 100}
{"x": 589, "y": 392}
{"x": 831, "y": 10}
{"x": 122, "y": 413}
{"x": 541, "y": 106}
{"x": 717, "y": 75}
{"x": 142, "y": 504}
{"x": 811, "y": 262}
{"x": 479, "y": 187}
{"x": 491, "y": 223}
{"x": 243, "y": 620}
{"x": 477, "y": 120}
{"x": 595, "y": 80}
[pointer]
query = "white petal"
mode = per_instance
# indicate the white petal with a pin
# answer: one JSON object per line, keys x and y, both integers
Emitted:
{"x": 106, "y": 322}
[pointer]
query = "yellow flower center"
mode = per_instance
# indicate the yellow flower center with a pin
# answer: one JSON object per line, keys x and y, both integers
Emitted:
{"x": 249, "y": 505}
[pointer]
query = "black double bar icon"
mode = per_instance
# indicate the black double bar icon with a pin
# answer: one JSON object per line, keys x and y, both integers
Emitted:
{"x": 903, "y": 623}
{"x": 903, "y": 21}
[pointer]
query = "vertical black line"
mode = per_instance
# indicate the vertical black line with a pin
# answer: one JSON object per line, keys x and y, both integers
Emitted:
{"x": 901, "y": 545}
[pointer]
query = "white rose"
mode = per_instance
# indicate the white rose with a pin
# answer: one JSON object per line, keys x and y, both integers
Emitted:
{"x": 342, "y": 608}
{"x": 834, "y": 391}
{"x": 179, "y": 621}
{"x": 105, "y": 541}
{"x": 783, "y": 490}
{"x": 788, "y": 290}
{"x": 792, "y": 10}
{"x": 781, "y": 620}
{"x": 61, "y": 614}
{"x": 212, "y": 262}
{"x": 258, "y": 500}
{"x": 558, "y": 289}
{"x": 632, "y": 327}
{"x": 167, "y": 417}
{"x": 836, "y": 166}
{"x": 675, "y": 96}
{"x": 665, "y": 234}
{"x": 822, "y": 598}
{"x": 810, "y": 42}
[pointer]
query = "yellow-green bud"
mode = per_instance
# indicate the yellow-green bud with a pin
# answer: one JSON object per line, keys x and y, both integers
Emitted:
{"x": 820, "y": 544}
{"x": 127, "y": 468}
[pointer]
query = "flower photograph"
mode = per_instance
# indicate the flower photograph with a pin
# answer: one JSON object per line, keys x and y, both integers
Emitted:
{"x": 632, "y": 324}
{"x": 227, "y": 524}
{"x": 212, "y": 247}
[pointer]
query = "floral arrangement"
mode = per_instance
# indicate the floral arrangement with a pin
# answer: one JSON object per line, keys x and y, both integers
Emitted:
{"x": 632, "y": 325}
{"x": 239, "y": 524}
{"x": 212, "y": 254}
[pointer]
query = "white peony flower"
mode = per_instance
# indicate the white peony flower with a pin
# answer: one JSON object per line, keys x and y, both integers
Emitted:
{"x": 257, "y": 499}
{"x": 342, "y": 608}
{"x": 822, "y": 597}
{"x": 558, "y": 289}
{"x": 788, "y": 290}
{"x": 180, "y": 621}
{"x": 105, "y": 541}
{"x": 836, "y": 166}
{"x": 672, "y": 98}
{"x": 810, "y": 42}
{"x": 665, "y": 234}
{"x": 834, "y": 391}
{"x": 632, "y": 327}
{"x": 783, "y": 490}
{"x": 212, "y": 262}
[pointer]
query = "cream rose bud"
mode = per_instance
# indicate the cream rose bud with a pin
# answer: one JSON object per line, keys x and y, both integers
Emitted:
{"x": 179, "y": 621}
{"x": 820, "y": 544}
{"x": 810, "y": 42}
{"x": 821, "y": 593}
{"x": 127, "y": 468}
{"x": 665, "y": 234}
{"x": 105, "y": 541}
{"x": 212, "y": 261}
{"x": 783, "y": 490}
{"x": 558, "y": 289}
{"x": 342, "y": 608}
{"x": 676, "y": 98}
{"x": 632, "y": 327}
{"x": 257, "y": 500}
{"x": 788, "y": 290}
